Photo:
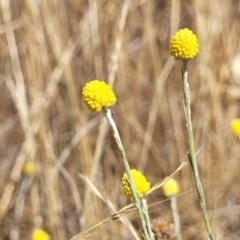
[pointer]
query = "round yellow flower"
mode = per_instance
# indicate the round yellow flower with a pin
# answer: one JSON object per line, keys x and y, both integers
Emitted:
{"x": 39, "y": 234}
{"x": 140, "y": 182}
{"x": 97, "y": 95}
{"x": 170, "y": 188}
{"x": 184, "y": 45}
{"x": 235, "y": 125}
{"x": 29, "y": 168}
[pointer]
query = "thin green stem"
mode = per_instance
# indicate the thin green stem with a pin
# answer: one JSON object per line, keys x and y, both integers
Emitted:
{"x": 143, "y": 215}
{"x": 192, "y": 156}
{"x": 148, "y": 223}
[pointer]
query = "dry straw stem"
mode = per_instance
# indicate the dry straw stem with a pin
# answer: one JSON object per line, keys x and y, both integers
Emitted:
{"x": 161, "y": 75}
{"x": 153, "y": 113}
{"x": 41, "y": 103}
{"x": 18, "y": 212}
{"x": 176, "y": 219}
{"x": 32, "y": 126}
{"x": 19, "y": 95}
{"x": 16, "y": 65}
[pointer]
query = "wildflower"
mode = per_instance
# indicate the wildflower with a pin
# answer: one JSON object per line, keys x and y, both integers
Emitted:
{"x": 170, "y": 188}
{"x": 97, "y": 95}
{"x": 184, "y": 45}
{"x": 140, "y": 182}
{"x": 39, "y": 234}
{"x": 235, "y": 125}
{"x": 29, "y": 168}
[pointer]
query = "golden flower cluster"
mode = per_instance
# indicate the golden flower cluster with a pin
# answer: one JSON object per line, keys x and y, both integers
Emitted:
{"x": 140, "y": 182}
{"x": 235, "y": 126}
{"x": 97, "y": 95}
{"x": 184, "y": 45}
{"x": 170, "y": 188}
{"x": 29, "y": 168}
{"x": 39, "y": 234}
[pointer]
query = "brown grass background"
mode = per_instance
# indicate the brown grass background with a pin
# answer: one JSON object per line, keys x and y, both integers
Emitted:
{"x": 49, "y": 49}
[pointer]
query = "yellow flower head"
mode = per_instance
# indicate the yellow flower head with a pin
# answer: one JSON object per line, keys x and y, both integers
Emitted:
{"x": 39, "y": 234}
{"x": 97, "y": 95}
{"x": 184, "y": 45}
{"x": 170, "y": 188}
{"x": 29, "y": 168}
{"x": 235, "y": 125}
{"x": 140, "y": 182}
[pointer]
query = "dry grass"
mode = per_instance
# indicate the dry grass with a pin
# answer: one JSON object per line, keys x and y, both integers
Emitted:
{"x": 50, "y": 50}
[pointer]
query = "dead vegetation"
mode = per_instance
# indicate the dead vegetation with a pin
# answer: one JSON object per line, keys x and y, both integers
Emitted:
{"x": 50, "y": 49}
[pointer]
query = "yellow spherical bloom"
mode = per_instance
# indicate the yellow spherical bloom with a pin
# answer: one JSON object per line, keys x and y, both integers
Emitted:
{"x": 184, "y": 45}
{"x": 140, "y": 182}
{"x": 170, "y": 188}
{"x": 235, "y": 125}
{"x": 39, "y": 234}
{"x": 97, "y": 95}
{"x": 29, "y": 168}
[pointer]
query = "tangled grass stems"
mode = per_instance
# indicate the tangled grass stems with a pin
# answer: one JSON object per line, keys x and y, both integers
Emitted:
{"x": 139, "y": 203}
{"x": 191, "y": 155}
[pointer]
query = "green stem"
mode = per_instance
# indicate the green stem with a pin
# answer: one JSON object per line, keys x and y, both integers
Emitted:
{"x": 147, "y": 219}
{"x": 142, "y": 214}
{"x": 192, "y": 156}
